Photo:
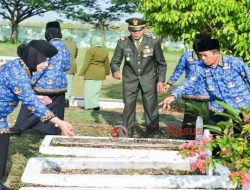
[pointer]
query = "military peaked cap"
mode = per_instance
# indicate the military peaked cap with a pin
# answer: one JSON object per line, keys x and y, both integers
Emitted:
{"x": 136, "y": 24}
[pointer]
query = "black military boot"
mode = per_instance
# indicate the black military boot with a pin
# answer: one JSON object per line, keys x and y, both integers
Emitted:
{"x": 4, "y": 148}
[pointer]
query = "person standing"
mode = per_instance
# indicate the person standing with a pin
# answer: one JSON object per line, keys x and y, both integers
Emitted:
{"x": 188, "y": 63}
{"x": 144, "y": 70}
{"x": 94, "y": 70}
{"x": 15, "y": 86}
{"x": 73, "y": 67}
{"x": 51, "y": 82}
{"x": 225, "y": 78}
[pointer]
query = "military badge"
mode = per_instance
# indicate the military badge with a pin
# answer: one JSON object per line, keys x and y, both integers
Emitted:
{"x": 135, "y": 22}
{"x": 210, "y": 88}
{"x": 147, "y": 51}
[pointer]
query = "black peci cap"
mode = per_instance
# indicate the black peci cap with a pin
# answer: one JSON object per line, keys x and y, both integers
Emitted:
{"x": 198, "y": 38}
{"x": 136, "y": 24}
{"x": 208, "y": 44}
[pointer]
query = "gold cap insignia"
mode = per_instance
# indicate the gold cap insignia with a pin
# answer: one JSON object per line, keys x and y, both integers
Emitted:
{"x": 135, "y": 22}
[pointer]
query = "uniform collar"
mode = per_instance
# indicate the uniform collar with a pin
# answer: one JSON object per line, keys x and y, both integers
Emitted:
{"x": 25, "y": 67}
{"x": 194, "y": 55}
{"x": 221, "y": 62}
{"x": 140, "y": 40}
{"x": 55, "y": 39}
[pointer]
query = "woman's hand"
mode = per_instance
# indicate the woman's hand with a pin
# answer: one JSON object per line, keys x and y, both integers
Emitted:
{"x": 45, "y": 99}
{"x": 66, "y": 127}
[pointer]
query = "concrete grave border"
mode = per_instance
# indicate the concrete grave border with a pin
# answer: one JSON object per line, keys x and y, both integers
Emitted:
{"x": 32, "y": 174}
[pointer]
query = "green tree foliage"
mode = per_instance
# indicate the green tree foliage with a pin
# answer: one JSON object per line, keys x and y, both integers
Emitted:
{"x": 227, "y": 20}
{"x": 129, "y": 6}
{"x": 17, "y": 11}
{"x": 101, "y": 14}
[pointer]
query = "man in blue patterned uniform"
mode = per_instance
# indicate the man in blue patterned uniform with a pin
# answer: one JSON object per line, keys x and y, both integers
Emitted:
{"x": 188, "y": 63}
{"x": 51, "y": 82}
{"x": 225, "y": 79}
{"x": 15, "y": 86}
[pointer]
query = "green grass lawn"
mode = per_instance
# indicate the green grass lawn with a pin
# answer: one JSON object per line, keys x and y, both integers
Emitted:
{"x": 84, "y": 122}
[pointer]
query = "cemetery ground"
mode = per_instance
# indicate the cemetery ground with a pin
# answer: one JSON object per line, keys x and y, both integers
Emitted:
{"x": 85, "y": 122}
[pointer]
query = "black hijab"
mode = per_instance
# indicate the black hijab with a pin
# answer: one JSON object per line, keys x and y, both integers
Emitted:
{"x": 52, "y": 33}
{"x": 53, "y": 30}
{"x": 35, "y": 52}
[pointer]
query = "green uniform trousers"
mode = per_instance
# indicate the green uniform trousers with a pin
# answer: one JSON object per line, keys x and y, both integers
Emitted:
{"x": 150, "y": 105}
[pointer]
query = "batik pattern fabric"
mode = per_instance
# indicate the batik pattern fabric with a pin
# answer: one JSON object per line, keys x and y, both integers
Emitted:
{"x": 53, "y": 79}
{"x": 188, "y": 63}
{"x": 15, "y": 86}
{"x": 228, "y": 82}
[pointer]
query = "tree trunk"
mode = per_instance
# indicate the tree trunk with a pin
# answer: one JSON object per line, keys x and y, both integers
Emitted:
{"x": 103, "y": 37}
{"x": 14, "y": 32}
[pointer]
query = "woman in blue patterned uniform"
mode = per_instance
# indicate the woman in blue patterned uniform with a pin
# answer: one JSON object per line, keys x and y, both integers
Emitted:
{"x": 15, "y": 86}
{"x": 51, "y": 82}
{"x": 225, "y": 79}
{"x": 188, "y": 63}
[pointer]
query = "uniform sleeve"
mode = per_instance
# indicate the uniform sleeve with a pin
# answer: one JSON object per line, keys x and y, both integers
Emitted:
{"x": 21, "y": 87}
{"x": 179, "y": 69}
{"x": 65, "y": 58}
{"x": 87, "y": 59}
{"x": 107, "y": 66}
{"x": 187, "y": 86}
{"x": 244, "y": 71}
{"x": 161, "y": 63}
{"x": 76, "y": 52}
{"x": 117, "y": 58}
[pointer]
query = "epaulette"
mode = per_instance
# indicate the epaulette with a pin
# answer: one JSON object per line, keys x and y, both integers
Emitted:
{"x": 123, "y": 38}
{"x": 153, "y": 37}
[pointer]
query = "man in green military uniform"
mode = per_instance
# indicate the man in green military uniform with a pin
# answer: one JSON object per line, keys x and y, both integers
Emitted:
{"x": 73, "y": 67}
{"x": 144, "y": 69}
